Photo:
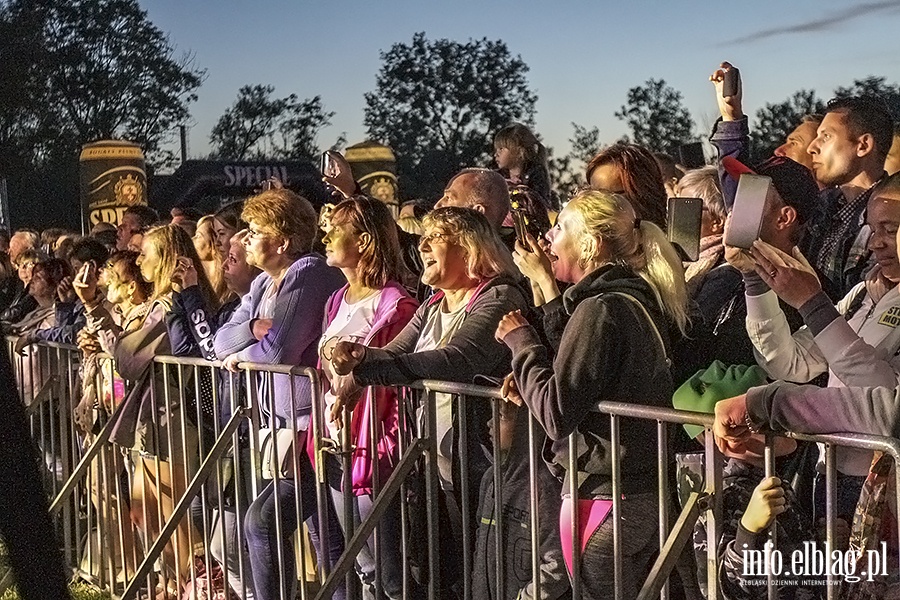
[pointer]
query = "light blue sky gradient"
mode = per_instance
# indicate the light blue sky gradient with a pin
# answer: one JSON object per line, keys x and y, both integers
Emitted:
{"x": 583, "y": 56}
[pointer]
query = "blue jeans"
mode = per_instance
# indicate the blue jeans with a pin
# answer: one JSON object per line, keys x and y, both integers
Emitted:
{"x": 389, "y": 538}
{"x": 272, "y": 560}
{"x": 227, "y": 547}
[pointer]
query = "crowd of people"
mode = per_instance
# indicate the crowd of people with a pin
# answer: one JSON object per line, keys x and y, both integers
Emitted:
{"x": 480, "y": 287}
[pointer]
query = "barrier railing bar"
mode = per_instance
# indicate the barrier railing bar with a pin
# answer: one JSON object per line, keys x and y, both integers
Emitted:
{"x": 662, "y": 468}
{"x": 431, "y": 496}
{"x": 83, "y": 466}
{"x": 465, "y": 510}
{"x": 533, "y": 458}
{"x": 713, "y": 478}
{"x": 216, "y": 452}
{"x": 830, "y": 511}
{"x": 681, "y": 533}
{"x": 66, "y": 397}
{"x": 391, "y": 488}
{"x": 616, "y": 456}
{"x": 772, "y": 534}
{"x": 574, "y": 484}
{"x": 498, "y": 502}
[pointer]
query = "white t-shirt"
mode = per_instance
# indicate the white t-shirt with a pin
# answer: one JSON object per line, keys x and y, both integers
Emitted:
{"x": 435, "y": 333}
{"x": 352, "y": 323}
{"x": 266, "y": 308}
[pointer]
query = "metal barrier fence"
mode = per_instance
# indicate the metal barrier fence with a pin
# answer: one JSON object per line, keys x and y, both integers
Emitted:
{"x": 192, "y": 516}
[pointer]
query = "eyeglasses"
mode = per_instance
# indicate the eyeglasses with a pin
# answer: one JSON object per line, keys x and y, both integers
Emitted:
{"x": 446, "y": 238}
{"x": 255, "y": 233}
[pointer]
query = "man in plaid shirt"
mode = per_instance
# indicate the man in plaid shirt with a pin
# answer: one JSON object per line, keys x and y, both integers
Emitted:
{"x": 848, "y": 157}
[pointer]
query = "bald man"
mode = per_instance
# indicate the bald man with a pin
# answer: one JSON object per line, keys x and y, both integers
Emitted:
{"x": 482, "y": 189}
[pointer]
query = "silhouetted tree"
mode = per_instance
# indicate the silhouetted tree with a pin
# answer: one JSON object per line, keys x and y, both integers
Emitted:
{"x": 776, "y": 120}
{"x": 874, "y": 86}
{"x": 442, "y": 101}
{"x": 78, "y": 71}
{"x": 656, "y": 116}
{"x": 567, "y": 172}
{"x": 258, "y": 126}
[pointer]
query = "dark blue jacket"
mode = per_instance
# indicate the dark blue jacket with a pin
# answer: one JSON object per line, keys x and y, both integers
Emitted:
{"x": 192, "y": 327}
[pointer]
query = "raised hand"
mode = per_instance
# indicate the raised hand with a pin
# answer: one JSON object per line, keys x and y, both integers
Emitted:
{"x": 341, "y": 177}
{"x": 185, "y": 274}
{"x": 791, "y": 277}
{"x": 729, "y": 106}
{"x": 64, "y": 291}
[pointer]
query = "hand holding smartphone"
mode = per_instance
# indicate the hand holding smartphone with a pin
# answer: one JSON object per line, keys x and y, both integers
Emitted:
{"x": 329, "y": 166}
{"x": 520, "y": 224}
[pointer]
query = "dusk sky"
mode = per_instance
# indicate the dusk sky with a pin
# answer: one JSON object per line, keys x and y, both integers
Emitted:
{"x": 583, "y": 56}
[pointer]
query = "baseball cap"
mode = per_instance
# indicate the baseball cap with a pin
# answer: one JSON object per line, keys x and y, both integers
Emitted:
{"x": 793, "y": 182}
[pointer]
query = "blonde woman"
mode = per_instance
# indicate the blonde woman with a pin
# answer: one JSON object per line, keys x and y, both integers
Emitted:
{"x": 149, "y": 420}
{"x": 611, "y": 336}
{"x": 207, "y": 247}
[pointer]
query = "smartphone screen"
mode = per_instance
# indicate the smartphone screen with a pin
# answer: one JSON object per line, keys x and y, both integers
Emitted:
{"x": 683, "y": 224}
{"x": 328, "y": 166}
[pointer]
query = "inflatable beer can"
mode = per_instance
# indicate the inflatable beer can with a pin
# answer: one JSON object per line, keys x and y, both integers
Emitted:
{"x": 375, "y": 168}
{"x": 113, "y": 177}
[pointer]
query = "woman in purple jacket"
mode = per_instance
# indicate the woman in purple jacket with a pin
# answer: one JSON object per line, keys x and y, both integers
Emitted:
{"x": 279, "y": 323}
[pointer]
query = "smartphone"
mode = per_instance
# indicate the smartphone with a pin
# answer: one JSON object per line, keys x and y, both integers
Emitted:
{"x": 87, "y": 273}
{"x": 520, "y": 224}
{"x": 746, "y": 218}
{"x": 683, "y": 226}
{"x": 329, "y": 169}
{"x": 731, "y": 84}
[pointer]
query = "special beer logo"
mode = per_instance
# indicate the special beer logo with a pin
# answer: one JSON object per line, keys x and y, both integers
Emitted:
{"x": 129, "y": 190}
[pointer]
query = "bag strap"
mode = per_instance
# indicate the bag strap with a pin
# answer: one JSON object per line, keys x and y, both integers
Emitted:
{"x": 856, "y": 303}
{"x": 659, "y": 336}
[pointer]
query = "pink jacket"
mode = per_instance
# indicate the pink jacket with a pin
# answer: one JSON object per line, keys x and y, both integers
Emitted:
{"x": 394, "y": 311}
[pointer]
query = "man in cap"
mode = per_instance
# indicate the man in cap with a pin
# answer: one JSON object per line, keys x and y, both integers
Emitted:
{"x": 718, "y": 330}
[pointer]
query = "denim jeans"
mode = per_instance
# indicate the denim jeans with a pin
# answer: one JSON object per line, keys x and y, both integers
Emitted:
{"x": 227, "y": 547}
{"x": 272, "y": 560}
{"x": 389, "y": 539}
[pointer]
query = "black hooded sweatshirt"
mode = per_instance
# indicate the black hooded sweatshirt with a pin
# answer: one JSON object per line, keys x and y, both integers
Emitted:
{"x": 607, "y": 351}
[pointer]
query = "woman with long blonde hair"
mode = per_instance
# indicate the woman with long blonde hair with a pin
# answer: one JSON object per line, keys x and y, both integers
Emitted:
{"x": 207, "y": 247}
{"x": 150, "y": 420}
{"x": 611, "y": 335}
